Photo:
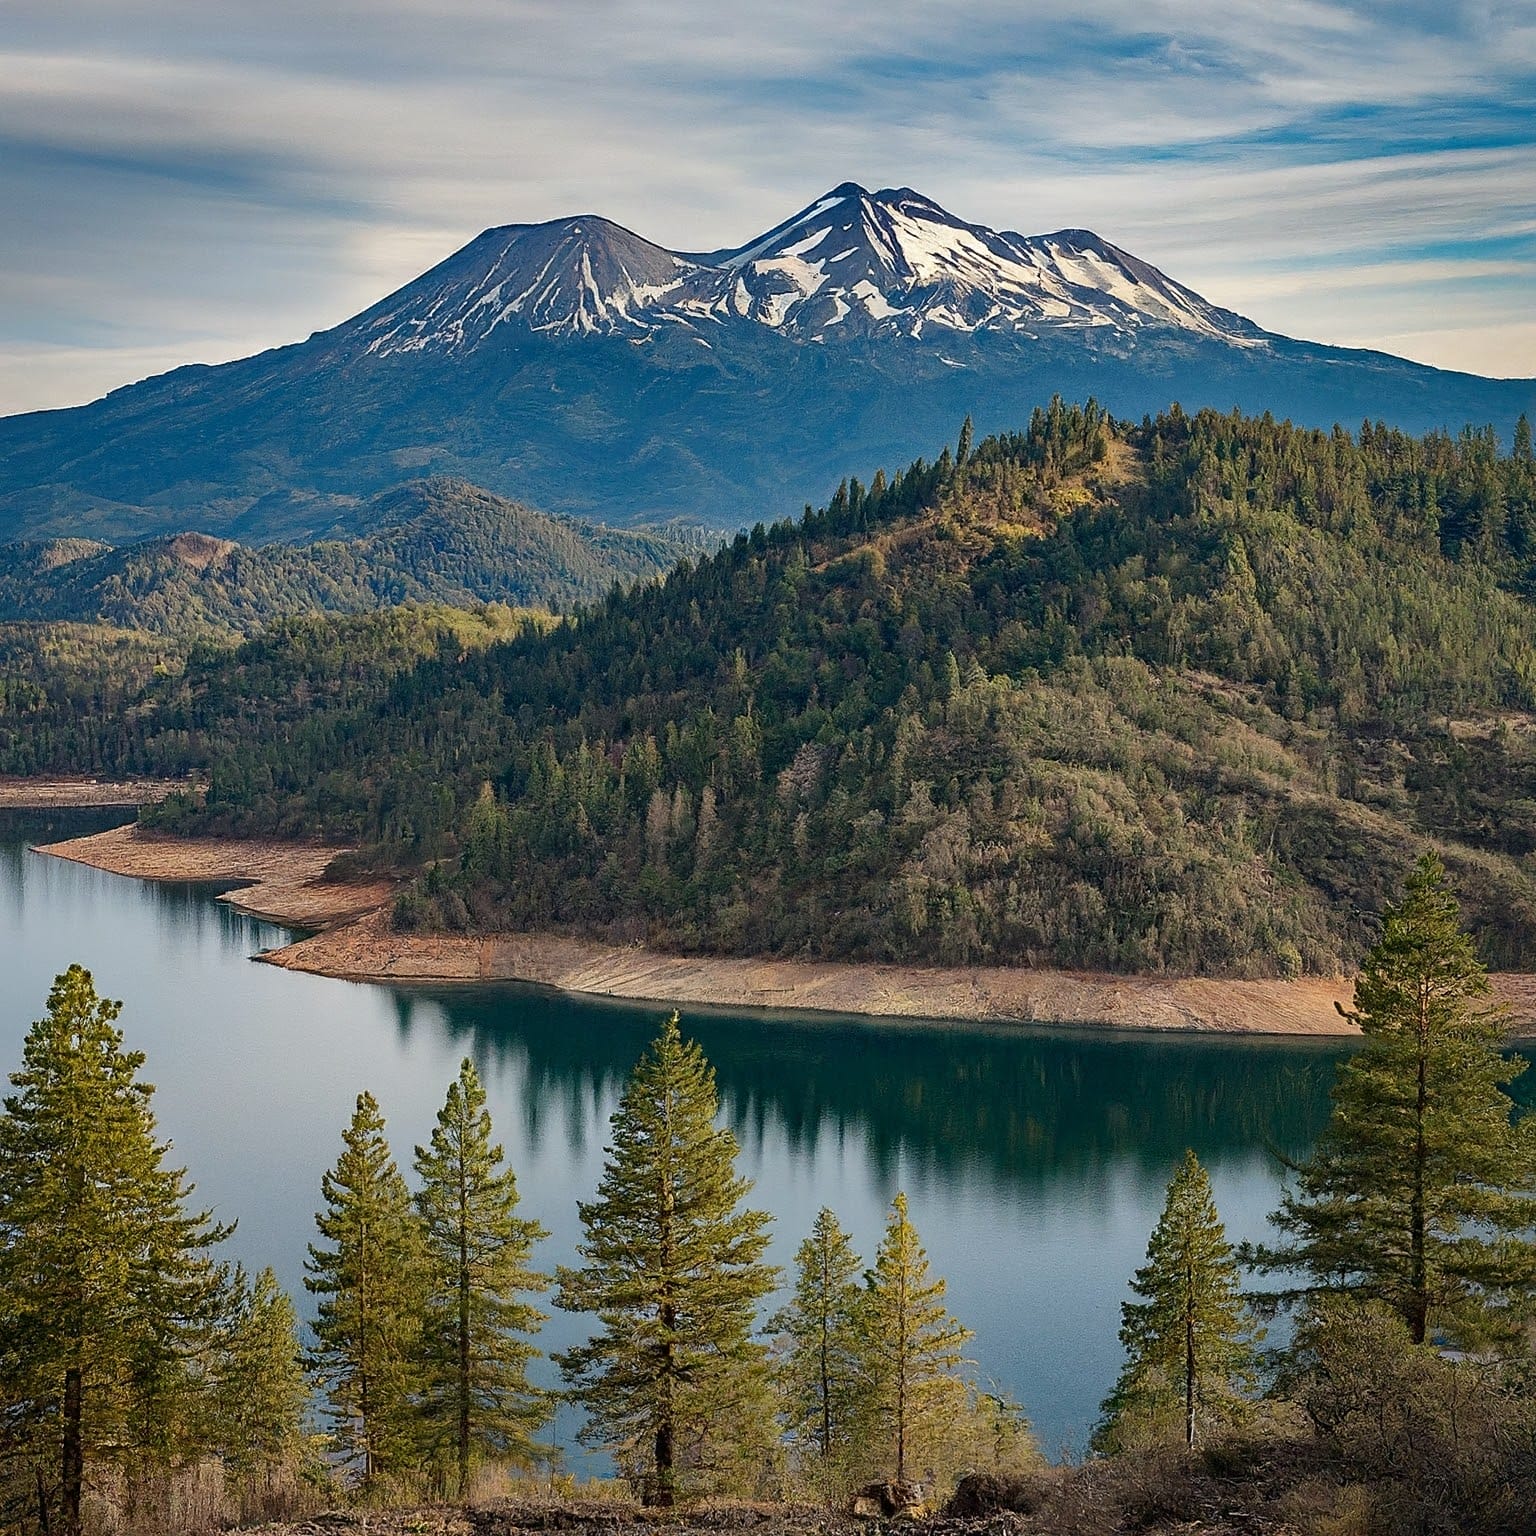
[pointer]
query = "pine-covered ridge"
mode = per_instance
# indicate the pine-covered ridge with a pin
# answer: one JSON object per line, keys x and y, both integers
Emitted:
{"x": 1187, "y": 696}
{"x": 425, "y": 541}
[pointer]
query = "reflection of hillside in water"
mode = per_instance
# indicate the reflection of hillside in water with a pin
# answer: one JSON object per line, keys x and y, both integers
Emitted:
{"x": 20, "y": 826}
{"x": 188, "y": 908}
{"x": 1023, "y": 1106}
{"x": 185, "y": 908}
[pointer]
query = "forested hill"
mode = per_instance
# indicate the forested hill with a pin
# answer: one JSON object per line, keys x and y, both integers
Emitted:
{"x": 1188, "y": 695}
{"x": 427, "y": 541}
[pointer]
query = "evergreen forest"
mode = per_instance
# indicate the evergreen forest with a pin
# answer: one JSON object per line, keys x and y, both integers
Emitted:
{"x": 440, "y": 541}
{"x": 1187, "y": 696}
{"x": 150, "y": 1386}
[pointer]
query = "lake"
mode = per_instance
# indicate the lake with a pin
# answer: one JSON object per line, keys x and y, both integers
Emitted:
{"x": 1035, "y": 1161}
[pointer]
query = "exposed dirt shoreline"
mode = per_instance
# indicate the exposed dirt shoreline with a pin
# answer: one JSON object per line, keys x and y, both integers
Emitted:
{"x": 286, "y": 883}
{"x": 83, "y": 794}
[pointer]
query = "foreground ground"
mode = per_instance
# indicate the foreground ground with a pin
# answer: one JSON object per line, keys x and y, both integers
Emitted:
{"x": 1283, "y": 1490}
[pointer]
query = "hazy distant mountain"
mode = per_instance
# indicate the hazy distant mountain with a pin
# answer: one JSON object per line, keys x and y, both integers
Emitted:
{"x": 578, "y": 365}
{"x": 442, "y": 541}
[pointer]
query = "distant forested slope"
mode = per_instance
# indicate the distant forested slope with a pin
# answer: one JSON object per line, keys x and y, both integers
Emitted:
{"x": 1183, "y": 696}
{"x": 428, "y": 541}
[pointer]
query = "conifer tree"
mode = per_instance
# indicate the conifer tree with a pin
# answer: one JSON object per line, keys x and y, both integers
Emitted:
{"x": 473, "y": 1382}
{"x": 819, "y": 1371}
{"x": 673, "y": 1379}
{"x": 106, "y": 1285}
{"x": 1420, "y": 1192}
{"x": 260, "y": 1391}
{"x": 1190, "y": 1344}
{"x": 370, "y": 1284}
{"x": 912, "y": 1347}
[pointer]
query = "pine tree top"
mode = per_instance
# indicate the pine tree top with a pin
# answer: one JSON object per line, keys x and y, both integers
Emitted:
{"x": 1423, "y": 973}
{"x": 79, "y": 1126}
{"x": 901, "y": 1287}
{"x": 102, "y": 1261}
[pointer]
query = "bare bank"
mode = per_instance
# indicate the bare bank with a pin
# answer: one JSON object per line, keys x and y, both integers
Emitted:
{"x": 287, "y": 883}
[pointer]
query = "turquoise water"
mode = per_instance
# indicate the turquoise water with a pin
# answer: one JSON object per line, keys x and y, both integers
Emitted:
{"x": 1034, "y": 1161}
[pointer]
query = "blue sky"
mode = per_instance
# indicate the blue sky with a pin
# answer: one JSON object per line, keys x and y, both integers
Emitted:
{"x": 192, "y": 180}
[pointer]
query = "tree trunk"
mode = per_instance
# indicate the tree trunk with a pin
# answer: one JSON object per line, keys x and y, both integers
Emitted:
{"x": 901, "y": 1378}
{"x": 1189, "y": 1374}
{"x": 666, "y": 1451}
{"x": 72, "y": 1462}
{"x": 666, "y": 1486}
{"x": 464, "y": 1372}
{"x": 1418, "y": 1280}
{"x": 365, "y": 1357}
{"x": 826, "y": 1388}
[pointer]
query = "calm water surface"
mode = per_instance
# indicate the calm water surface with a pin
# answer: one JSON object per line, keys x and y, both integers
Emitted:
{"x": 1035, "y": 1162}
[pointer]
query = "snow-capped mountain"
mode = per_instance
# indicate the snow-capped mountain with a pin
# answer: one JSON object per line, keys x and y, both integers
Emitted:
{"x": 580, "y": 275}
{"x": 852, "y": 262}
{"x": 580, "y": 368}
{"x": 897, "y": 260}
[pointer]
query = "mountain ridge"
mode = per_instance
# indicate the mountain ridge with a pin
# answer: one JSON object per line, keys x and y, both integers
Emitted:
{"x": 1183, "y": 697}
{"x": 577, "y": 366}
{"x": 433, "y": 541}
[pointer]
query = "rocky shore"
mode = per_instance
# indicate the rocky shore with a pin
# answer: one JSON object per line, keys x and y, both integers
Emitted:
{"x": 282, "y": 882}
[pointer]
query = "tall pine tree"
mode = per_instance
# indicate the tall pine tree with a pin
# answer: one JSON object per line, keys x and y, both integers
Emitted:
{"x": 818, "y": 1373}
{"x": 912, "y": 1347}
{"x": 474, "y": 1394}
{"x": 1420, "y": 1192}
{"x": 260, "y": 1392}
{"x": 1190, "y": 1344}
{"x": 106, "y": 1285}
{"x": 370, "y": 1281}
{"x": 673, "y": 1380}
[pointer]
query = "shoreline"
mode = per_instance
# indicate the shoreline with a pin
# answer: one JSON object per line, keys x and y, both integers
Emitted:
{"x": 349, "y": 938}
{"x": 280, "y": 882}
{"x": 82, "y": 794}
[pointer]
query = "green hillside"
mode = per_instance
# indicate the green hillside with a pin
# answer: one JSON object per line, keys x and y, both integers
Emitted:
{"x": 1187, "y": 696}
{"x": 428, "y": 541}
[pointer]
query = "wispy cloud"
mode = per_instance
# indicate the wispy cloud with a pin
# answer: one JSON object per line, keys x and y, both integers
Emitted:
{"x": 194, "y": 179}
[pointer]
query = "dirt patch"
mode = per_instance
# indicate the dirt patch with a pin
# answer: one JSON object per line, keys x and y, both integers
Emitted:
{"x": 86, "y": 794}
{"x": 370, "y": 950}
{"x": 285, "y": 882}
{"x": 415, "y": 1522}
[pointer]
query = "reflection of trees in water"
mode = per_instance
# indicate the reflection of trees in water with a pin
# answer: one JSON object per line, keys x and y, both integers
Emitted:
{"x": 1022, "y": 1107}
{"x": 184, "y": 907}
{"x": 54, "y": 824}
{"x": 13, "y": 871}
{"x": 188, "y": 908}
{"x": 21, "y": 829}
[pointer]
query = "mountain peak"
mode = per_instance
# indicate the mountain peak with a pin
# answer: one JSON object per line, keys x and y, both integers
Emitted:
{"x": 579, "y": 275}
{"x": 853, "y": 262}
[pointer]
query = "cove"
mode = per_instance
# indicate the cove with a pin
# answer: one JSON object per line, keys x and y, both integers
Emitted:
{"x": 1035, "y": 1161}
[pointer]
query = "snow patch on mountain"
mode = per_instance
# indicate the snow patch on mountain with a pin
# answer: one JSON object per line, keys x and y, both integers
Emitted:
{"x": 852, "y": 262}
